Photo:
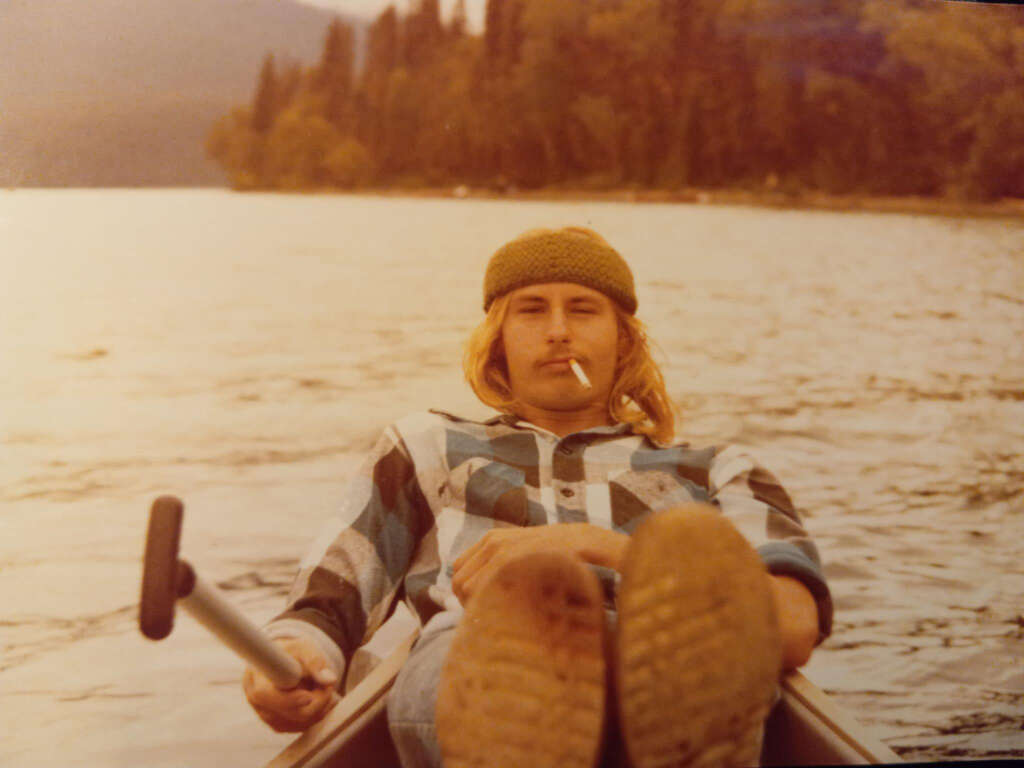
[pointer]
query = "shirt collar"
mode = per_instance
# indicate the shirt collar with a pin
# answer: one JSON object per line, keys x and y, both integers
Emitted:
{"x": 511, "y": 420}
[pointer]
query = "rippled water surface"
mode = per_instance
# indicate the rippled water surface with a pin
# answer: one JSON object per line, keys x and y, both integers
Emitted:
{"x": 243, "y": 351}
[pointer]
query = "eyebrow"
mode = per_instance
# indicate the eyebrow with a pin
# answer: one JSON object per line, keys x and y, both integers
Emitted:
{"x": 536, "y": 298}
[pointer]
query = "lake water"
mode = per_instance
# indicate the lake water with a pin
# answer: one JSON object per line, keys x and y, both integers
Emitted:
{"x": 242, "y": 351}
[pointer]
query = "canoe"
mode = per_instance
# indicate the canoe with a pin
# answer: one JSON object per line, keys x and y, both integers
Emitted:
{"x": 805, "y": 728}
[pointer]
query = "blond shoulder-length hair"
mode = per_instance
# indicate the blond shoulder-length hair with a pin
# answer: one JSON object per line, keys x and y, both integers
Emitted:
{"x": 638, "y": 395}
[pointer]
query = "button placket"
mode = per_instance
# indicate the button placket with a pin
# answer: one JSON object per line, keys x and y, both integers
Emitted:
{"x": 568, "y": 477}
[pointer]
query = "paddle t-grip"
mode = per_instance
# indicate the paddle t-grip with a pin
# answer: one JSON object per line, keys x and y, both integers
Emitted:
{"x": 167, "y": 579}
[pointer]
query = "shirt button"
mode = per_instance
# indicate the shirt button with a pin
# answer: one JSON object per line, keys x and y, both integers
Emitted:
{"x": 567, "y": 492}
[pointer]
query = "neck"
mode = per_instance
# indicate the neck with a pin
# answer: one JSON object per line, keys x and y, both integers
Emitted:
{"x": 564, "y": 423}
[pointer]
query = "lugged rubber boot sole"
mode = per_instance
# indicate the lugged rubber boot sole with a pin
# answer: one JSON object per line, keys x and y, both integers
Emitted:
{"x": 524, "y": 682}
{"x": 698, "y": 653}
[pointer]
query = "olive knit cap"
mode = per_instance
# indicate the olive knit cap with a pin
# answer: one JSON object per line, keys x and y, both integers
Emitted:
{"x": 570, "y": 255}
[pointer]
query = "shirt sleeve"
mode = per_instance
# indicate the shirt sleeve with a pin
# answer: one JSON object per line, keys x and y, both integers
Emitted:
{"x": 756, "y": 503}
{"x": 348, "y": 583}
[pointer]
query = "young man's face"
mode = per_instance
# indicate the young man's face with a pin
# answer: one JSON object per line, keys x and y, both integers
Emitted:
{"x": 547, "y": 324}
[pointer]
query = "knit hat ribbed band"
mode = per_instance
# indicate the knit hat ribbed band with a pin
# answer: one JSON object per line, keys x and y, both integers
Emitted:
{"x": 559, "y": 257}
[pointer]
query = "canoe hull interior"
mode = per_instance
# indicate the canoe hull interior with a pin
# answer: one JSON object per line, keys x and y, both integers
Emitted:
{"x": 805, "y": 728}
{"x": 791, "y": 738}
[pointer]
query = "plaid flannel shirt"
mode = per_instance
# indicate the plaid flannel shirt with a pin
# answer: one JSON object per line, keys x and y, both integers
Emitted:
{"x": 434, "y": 484}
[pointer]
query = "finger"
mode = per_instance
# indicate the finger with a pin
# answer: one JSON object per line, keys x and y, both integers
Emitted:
{"x": 598, "y": 546}
{"x": 467, "y": 591}
{"x": 303, "y": 717}
{"x": 269, "y": 715}
{"x": 277, "y": 721}
{"x": 300, "y": 702}
{"x": 308, "y": 655}
{"x": 326, "y": 676}
{"x": 474, "y": 582}
{"x": 460, "y": 561}
{"x": 281, "y": 701}
{"x": 301, "y": 650}
{"x": 272, "y": 697}
{"x": 293, "y": 711}
{"x": 316, "y": 706}
{"x": 485, "y": 542}
{"x": 259, "y": 690}
{"x": 283, "y": 724}
{"x": 314, "y": 663}
{"x": 463, "y": 576}
{"x": 485, "y": 549}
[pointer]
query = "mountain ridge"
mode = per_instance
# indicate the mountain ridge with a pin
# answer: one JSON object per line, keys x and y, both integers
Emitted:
{"x": 123, "y": 94}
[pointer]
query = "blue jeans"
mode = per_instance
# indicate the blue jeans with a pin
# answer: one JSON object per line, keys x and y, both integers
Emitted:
{"x": 413, "y": 697}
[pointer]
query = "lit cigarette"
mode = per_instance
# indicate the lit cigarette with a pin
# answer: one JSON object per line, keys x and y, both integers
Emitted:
{"x": 584, "y": 381}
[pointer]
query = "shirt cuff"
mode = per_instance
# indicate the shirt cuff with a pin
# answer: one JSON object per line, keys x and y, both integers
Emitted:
{"x": 298, "y": 629}
{"x": 785, "y": 559}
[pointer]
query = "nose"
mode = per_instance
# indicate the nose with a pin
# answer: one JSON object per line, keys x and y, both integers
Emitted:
{"x": 558, "y": 328}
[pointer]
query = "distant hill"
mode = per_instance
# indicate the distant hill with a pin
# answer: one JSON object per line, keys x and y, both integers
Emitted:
{"x": 116, "y": 93}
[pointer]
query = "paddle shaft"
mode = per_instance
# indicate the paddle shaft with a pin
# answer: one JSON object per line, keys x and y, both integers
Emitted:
{"x": 208, "y": 606}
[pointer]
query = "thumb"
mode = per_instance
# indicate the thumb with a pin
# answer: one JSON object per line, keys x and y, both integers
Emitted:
{"x": 315, "y": 663}
{"x": 326, "y": 676}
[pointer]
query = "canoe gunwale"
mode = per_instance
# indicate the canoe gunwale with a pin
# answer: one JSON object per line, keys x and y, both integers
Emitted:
{"x": 812, "y": 707}
{"x": 318, "y": 745}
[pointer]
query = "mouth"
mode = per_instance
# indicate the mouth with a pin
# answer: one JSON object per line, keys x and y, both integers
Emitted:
{"x": 556, "y": 362}
{"x": 567, "y": 365}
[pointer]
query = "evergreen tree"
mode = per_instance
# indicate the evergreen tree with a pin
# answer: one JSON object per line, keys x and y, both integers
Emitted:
{"x": 288, "y": 84}
{"x": 493, "y": 19}
{"x": 457, "y": 25}
{"x": 503, "y": 34}
{"x": 849, "y": 96}
{"x": 995, "y": 165}
{"x": 335, "y": 67}
{"x": 381, "y": 50}
{"x": 265, "y": 102}
{"x": 423, "y": 34}
{"x": 334, "y": 74}
{"x": 381, "y": 60}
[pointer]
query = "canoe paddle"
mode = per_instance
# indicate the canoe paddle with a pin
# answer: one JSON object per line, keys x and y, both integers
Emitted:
{"x": 167, "y": 580}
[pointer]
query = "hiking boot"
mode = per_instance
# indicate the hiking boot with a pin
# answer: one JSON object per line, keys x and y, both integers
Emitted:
{"x": 698, "y": 654}
{"x": 524, "y": 681}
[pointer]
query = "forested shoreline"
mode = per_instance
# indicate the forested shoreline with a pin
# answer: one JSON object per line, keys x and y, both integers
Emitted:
{"x": 891, "y": 98}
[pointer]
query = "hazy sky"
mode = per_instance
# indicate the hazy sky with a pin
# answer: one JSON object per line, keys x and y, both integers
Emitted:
{"x": 370, "y": 8}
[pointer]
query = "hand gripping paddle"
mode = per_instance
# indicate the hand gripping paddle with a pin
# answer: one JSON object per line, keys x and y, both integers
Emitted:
{"x": 167, "y": 580}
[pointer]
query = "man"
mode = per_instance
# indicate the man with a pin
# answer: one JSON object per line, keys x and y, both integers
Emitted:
{"x": 583, "y": 581}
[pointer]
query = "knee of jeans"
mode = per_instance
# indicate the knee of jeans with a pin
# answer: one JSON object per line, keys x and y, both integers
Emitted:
{"x": 413, "y": 696}
{"x": 400, "y": 706}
